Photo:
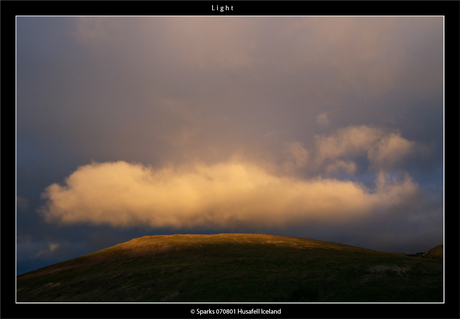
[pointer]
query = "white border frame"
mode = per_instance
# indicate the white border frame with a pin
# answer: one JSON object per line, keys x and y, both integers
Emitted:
{"x": 275, "y": 304}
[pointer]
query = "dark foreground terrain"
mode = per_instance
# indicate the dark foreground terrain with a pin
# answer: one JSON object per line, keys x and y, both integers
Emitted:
{"x": 236, "y": 267}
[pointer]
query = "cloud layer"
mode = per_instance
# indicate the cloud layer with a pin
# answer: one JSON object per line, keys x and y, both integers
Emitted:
{"x": 225, "y": 195}
{"x": 384, "y": 150}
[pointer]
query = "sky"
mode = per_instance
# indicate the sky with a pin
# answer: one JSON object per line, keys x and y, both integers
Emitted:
{"x": 328, "y": 128}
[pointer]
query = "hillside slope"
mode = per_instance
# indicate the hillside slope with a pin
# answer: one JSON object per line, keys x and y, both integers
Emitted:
{"x": 434, "y": 253}
{"x": 235, "y": 267}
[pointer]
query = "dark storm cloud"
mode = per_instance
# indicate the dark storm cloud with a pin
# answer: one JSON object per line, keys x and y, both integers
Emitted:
{"x": 182, "y": 86}
{"x": 344, "y": 100}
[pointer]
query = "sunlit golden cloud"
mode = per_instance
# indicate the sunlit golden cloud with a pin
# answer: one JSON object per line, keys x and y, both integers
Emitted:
{"x": 384, "y": 150}
{"x": 228, "y": 195}
{"x": 296, "y": 156}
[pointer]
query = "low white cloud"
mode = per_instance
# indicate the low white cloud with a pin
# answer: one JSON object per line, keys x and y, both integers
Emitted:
{"x": 390, "y": 150}
{"x": 296, "y": 157}
{"x": 226, "y": 195}
{"x": 383, "y": 149}
{"x": 349, "y": 141}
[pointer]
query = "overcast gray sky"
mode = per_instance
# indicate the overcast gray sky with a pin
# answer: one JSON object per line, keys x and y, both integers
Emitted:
{"x": 328, "y": 128}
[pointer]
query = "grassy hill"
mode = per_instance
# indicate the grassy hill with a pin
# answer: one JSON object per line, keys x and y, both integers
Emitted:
{"x": 435, "y": 253}
{"x": 235, "y": 267}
